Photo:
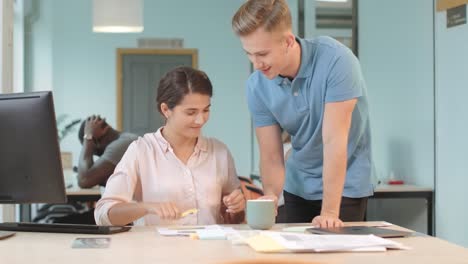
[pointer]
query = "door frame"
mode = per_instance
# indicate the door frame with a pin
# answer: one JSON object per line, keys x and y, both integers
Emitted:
{"x": 135, "y": 51}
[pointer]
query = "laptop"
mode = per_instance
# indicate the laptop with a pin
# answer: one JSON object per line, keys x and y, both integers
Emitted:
{"x": 359, "y": 230}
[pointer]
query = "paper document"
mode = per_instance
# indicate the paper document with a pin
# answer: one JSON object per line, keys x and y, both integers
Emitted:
{"x": 180, "y": 230}
{"x": 269, "y": 241}
{"x": 239, "y": 237}
{"x": 209, "y": 232}
{"x": 297, "y": 229}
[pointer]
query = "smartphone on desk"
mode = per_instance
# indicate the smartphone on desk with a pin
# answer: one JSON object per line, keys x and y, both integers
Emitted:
{"x": 6, "y": 234}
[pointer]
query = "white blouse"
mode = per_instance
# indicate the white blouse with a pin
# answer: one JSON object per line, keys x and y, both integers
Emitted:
{"x": 149, "y": 171}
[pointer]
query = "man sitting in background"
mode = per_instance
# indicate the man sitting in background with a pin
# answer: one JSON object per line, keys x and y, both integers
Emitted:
{"x": 100, "y": 139}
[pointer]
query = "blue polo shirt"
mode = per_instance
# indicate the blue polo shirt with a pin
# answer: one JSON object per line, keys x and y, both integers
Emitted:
{"x": 329, "y": 72}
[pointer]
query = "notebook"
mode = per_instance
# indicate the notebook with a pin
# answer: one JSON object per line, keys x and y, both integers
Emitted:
{"x": 359, "y": 230}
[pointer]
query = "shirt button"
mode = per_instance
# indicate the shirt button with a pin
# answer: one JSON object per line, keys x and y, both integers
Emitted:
{"x": 296, "y": 93}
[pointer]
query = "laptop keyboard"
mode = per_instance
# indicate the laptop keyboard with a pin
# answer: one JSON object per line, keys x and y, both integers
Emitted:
{"x": 62, "y": 228}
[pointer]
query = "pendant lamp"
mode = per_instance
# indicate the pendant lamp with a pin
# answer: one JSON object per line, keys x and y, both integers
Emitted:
{"x": 118, "y": 16}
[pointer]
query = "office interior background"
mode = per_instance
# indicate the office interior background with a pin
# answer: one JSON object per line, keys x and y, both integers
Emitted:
{"x": 414, "y": 65}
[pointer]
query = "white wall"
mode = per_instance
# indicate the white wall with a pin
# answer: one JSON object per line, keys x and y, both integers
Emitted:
{"x": 452, "y": 130}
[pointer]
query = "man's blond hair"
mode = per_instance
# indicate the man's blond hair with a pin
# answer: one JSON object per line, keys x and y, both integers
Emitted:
{"x": 269, "y": 14}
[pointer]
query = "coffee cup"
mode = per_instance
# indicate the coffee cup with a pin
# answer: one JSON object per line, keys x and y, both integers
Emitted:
{"x": 260, "y": 214}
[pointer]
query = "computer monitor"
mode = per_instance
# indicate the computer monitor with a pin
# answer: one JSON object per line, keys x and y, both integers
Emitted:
{"x": 30, "y": 164}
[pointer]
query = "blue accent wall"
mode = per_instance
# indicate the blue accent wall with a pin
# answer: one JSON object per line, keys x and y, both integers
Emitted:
{"x": 396, "y": 53}
{"x": 83, "y": 64}
{"x": 452, "y": 130}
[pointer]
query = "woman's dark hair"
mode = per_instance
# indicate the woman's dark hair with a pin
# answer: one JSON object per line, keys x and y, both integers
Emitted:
{"x": 180, "y": 81}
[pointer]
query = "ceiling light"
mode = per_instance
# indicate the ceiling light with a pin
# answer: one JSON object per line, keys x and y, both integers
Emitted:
{"x": 118, "y": 16}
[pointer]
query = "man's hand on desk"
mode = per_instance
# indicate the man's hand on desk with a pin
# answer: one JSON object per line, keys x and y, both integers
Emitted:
{"x": 271, "y": 197}
{"x": 327, "y": 221}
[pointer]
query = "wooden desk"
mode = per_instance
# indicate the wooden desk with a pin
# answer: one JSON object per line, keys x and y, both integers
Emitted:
{"x": 77, "y": 194}
{"x": 83, "y": 195}
{"x": 384, "y": 191}
{"x": 143, "y": 245}
{"x": 405, "y": 191}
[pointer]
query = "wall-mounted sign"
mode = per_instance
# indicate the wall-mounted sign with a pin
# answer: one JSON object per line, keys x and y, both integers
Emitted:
{"x": 456, "y": 16}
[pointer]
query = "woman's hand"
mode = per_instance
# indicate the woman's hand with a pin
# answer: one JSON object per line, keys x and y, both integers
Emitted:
{"x": 166, "y": 211}
{"x": 234, "y": 202}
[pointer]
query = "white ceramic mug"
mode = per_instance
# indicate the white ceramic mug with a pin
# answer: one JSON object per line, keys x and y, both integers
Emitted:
{"x": 260, "y": 214}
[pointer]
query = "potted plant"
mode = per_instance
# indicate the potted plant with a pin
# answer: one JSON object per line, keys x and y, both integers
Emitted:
{"x": 63, "y": 130}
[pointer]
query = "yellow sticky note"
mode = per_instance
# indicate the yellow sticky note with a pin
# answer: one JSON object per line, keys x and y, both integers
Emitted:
{"x": 262, "y": 243}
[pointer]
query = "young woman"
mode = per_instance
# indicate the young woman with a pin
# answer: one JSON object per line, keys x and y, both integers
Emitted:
{"x": 175, "y": 169}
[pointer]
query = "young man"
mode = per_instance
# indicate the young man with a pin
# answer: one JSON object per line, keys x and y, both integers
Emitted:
{"x": 100, "y": 139}
{"x": 313, "y": 89}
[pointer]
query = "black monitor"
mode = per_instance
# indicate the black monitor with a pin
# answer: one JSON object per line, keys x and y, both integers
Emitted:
{"x": 30, "y": 164}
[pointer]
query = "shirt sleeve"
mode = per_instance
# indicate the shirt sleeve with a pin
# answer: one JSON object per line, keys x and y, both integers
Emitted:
{"x": 345, "y": 80}
{"x": 115, "y": 150}
{"x": 231, "y": 181}
{"x": 121, "y": 185}
{"x": 260, "y": 113}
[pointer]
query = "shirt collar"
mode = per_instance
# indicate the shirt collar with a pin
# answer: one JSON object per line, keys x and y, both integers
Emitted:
{"x": 201, "y": 145}
{"x": 162, "y": 141}
{"x": 279, "y": 80}
{"x": 306, "y": 61}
